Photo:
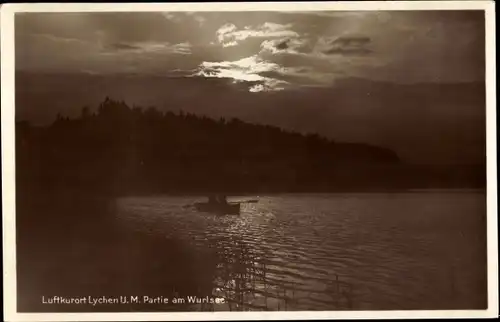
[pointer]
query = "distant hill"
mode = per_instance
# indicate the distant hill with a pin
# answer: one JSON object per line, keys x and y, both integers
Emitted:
{"x": 130, "y": 150}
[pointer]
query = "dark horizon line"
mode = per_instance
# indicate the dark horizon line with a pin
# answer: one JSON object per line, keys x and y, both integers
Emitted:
{"x": 187, "y": 76}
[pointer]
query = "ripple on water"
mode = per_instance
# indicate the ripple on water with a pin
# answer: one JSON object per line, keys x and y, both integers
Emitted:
{"x": 393, "y": 251}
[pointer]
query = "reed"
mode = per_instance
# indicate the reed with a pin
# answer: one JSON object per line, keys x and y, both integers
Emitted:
{"x": 242, "y": 279}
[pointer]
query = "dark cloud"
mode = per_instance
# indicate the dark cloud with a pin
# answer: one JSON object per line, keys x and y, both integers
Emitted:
{"x": 348, "y": 51}
{"x": 123, "y": 46}
{"x": 283, "y": 44}
{"x": 299, "y": 76}
{"x": 352, "y": 41}
{"x": 351, "y": 45}
{"x": 288, "y": 45}
{"x": 108, "y": 29}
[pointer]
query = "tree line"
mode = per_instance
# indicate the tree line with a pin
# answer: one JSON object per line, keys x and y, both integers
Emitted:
{"x": 118, "y": 149}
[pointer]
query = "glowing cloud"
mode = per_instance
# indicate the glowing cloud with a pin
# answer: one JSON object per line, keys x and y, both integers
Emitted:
{"x": 229, "y": 33}
{"x": 248, "y": 69}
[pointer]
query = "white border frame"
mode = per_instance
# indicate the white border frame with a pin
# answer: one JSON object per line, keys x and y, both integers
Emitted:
{"x": 8, "y": 164}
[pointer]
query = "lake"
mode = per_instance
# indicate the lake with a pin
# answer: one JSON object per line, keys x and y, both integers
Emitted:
{"x": 355, "y": 251}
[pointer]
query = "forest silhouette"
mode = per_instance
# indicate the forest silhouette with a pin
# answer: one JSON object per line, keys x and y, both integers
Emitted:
{"x": 122, "y": 150}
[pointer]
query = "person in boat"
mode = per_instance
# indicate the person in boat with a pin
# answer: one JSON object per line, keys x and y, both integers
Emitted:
{"x": 219, "y": 200}
{"x": 218, "y": 203}
{"x": 222, "y": 200}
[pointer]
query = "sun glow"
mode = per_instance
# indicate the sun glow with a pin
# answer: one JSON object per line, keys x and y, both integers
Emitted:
{"x": 248, "y": 69}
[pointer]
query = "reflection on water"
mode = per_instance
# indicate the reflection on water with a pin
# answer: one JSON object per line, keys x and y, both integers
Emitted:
{"x": 247, "y": 282}
{"x": 332, "y": 251}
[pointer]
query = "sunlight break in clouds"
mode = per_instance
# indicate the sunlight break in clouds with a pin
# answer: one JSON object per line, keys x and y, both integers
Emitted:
{"x": 249, "y": 69}
{"x": 246, "y": 69}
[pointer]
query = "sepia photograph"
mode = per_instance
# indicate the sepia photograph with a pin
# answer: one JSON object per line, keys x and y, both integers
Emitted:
{"x": 243, "y": 158}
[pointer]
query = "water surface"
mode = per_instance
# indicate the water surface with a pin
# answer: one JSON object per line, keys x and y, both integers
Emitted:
{"x": 334, "y": 251}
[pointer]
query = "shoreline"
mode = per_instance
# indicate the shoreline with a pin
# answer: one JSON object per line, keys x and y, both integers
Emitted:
{"x": 333, "y": 192}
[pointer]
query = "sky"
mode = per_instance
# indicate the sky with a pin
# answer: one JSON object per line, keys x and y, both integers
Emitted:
{"x": 279, "y": 48}
{"x": 306, "y": 55}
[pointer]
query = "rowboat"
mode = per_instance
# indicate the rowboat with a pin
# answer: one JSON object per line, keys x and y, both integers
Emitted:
{"x": 232, "y": 208}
